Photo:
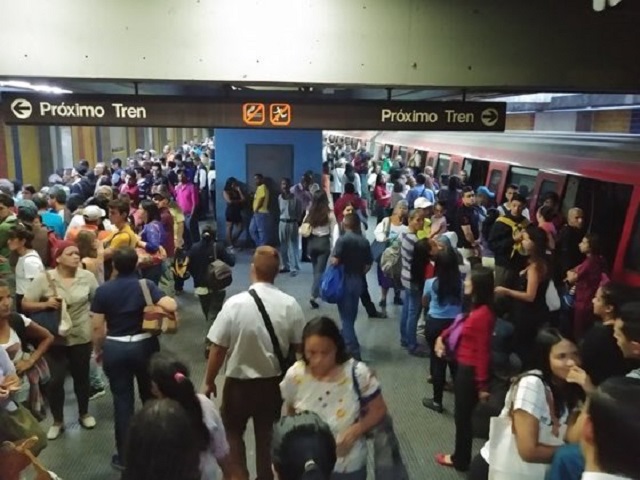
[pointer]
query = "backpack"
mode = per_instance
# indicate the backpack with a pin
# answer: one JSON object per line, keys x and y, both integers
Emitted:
{"x": 52, "y": 246}
{"x": 180, "y": 265}
{"x": 219, "y": 274}
{"x": 332, "y": 284}
{"x": 391, "y": 260}
{"x": 515, "y": 228}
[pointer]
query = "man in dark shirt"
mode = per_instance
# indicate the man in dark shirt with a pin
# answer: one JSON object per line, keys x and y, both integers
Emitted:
{"x": 352, "y": 251}
{"x": 567, "y": 244}
{"x": 505, "y": 240}
{"x": 125, "y": 347}
{"x": 162, "y": 197}
{"x": 468, "y": 224}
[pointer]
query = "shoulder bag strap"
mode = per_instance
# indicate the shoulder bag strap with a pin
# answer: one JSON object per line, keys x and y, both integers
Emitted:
{"x": 51, "y": 283}
{"x": 145, "y": 292}
{"x": 269, "y": 326}
{"x": 215, "y": 251}
{"x": 386, "y": 235}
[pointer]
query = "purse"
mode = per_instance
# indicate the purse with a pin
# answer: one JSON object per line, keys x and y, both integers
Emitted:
{"x": 155, "y": 319}
{"x": 57, "y": 322}
{"x": 305, "y": 228}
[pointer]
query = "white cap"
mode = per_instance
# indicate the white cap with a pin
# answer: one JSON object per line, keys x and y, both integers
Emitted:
{"x": 422, "y": 202}
{"x": 93, "y": 212}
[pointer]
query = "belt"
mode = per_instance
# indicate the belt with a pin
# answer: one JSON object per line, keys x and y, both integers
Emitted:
{"x": 131, "y": 338}
{"x": 283, "y": 220}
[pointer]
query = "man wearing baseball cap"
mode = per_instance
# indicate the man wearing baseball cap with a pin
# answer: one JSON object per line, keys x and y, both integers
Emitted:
{"x": 93, "y": 216}
{"x": 426, "y": 207}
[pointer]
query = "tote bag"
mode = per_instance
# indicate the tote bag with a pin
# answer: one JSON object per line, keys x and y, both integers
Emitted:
{"x": 505, "y": 462}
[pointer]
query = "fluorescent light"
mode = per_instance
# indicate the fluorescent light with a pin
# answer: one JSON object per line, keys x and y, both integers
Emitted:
{"x": 37, "y": 88}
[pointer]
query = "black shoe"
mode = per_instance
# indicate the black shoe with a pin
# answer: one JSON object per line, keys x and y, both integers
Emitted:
{"x": 382, "y": 303}
{"x": 96, "y": 393}
{"x": 285, "y": 270}
{"x": 431, "y": 405}
{"x": 305, "y": 260}
{"x": 397, "y": 301}
{"x": 116, "y": 463}
{"x": 377, "y": 314}
{"x": 314, "y": 304}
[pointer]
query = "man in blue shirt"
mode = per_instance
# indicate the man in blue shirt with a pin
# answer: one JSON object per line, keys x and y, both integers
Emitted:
{"x": 49, "y": 219}
{"x": 420, "y": 190}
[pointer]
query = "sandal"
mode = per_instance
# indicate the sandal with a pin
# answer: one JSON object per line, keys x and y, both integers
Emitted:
{"x": 441, "y": 459}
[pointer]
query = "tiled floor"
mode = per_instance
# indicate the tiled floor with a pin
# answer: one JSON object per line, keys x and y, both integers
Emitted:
{"x": 80, "y": 454}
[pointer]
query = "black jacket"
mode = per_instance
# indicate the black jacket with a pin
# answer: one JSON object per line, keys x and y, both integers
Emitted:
{"x": 501, "y": 244}
{"x": 201, "y": 255}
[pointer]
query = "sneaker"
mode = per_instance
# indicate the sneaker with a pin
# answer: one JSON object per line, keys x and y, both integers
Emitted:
{"x": 294, "y": 273}
{"x": 54, "y": 431}
{"x": 96, "y": 393}
{"x": 314, "y": 304}
{"x": 431, "y": 405}
{"x": 116, "y": 463}
{"x": 284, "y": 270}
{"x": 87, "y": 422}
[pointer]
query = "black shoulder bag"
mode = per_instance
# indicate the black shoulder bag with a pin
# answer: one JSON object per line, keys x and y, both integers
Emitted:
{"x": 285, "y": 363}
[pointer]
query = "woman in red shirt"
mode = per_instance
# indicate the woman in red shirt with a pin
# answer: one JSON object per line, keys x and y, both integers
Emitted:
{"x": 382, "y": 197}
{"x": 473, "y": 355}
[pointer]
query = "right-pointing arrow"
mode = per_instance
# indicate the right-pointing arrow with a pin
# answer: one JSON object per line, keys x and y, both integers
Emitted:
{"x": 489, "y": 117}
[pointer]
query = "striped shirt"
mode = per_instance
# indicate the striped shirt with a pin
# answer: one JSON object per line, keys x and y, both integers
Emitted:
{"x": 408, "y": 246}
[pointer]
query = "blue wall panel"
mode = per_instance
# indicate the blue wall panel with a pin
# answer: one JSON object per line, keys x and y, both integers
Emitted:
{"x": 231, "y": 147}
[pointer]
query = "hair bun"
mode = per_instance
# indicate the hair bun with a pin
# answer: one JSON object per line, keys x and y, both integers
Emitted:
{"x": 310, "y": 465}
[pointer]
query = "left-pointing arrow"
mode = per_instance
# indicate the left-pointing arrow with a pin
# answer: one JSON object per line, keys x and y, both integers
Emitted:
{"x": 21, "y": 108}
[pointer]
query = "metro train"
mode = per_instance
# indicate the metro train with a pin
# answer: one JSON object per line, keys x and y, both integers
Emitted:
{"x": 599, "y": 173}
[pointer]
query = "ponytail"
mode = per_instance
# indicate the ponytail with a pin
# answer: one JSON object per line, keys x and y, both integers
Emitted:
{"x": 172, "y": 380}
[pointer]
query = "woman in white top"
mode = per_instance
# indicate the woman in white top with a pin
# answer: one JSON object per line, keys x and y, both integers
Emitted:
{"x": 29, "y": 262}
{"x": 539, "y": 407}
{"x": 170, "y": 379}
{"x": 327, "y": 382}
{"x": 388, "y": 230}
{"x": 322, "y": 222}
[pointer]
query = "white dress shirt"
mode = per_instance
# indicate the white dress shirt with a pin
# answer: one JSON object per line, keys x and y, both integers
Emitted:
{"x": 601, "y": 476}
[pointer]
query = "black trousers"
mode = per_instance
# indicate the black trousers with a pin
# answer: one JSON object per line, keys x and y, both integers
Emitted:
{"x": 466, "y": 400}
{"x": 75, "y": 360}
{"x": 479, "y": 469}
{"x": 365, "y": 298}
{"x": 438, "y": 366}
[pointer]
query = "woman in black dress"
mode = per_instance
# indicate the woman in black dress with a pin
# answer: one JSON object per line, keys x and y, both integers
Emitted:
{"x": 235, "y": 201}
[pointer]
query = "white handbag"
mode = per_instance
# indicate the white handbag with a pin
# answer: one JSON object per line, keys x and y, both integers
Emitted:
{"x": 505, "y": 462}
{"x": 552, "y": 297}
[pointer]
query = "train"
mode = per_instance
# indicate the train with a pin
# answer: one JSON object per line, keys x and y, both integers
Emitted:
{"x": 599, "y": 173}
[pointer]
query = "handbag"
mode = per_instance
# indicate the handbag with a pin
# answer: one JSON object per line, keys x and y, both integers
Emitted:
{"x": 57, "y": 322}
{"x": 305, "y": 228}
{"x": 453, "y": 339}
{"x": 332, "y": 284}
{"x": 155, "y": 319}
{"x": 505, "y": 462}
{"x": 146, "y": 259}
{"x": 378, "y": 248}
{"x": 387, "y": 458}
{"x": 284, "y": 362}
{"x": 18, "y": 425}
{"x": 552, "y": 297}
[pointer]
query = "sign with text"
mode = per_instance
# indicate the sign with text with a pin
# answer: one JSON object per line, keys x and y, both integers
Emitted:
{"x": 151, "y": 111}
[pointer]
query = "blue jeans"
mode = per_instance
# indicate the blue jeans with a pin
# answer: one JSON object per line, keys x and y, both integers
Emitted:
{"x": 122, "y": 362}
{"x": 409, "y": 318}
{"x": 258, "y": 228}
{"x": 288, "y": 232}
{"x": 567, "y": 464}
{"x": 348, "y": 310}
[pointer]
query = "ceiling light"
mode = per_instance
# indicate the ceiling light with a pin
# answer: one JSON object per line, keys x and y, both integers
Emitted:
{"x": 28, "y": 86}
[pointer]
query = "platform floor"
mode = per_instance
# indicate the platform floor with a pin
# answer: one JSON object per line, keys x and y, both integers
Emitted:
{"x": 80, "y": 454}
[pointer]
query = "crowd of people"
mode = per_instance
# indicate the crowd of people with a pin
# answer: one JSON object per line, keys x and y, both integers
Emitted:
{"x": 518, "y": 307}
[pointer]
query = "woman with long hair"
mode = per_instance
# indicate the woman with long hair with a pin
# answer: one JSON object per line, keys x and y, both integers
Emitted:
{"x": 529, "y": 308}
{"x": 29, "y": 265}
{"x": 152, "y": 237}
{"x": 328, "y": 382}
{"x": 303, "y": 448}
{"x": 234, "y": 198}
{"x": 540, "y": 406}
{"x": 381, "y": 197}
{"x": 442, "y": 300}
{"x": 322, "y": 221}
{"x": 91, "y": 253}
{"x": 72, "y": 353}
{"x": 586, "y": 278}
{"x": 170, "y": 379}
{"x": 544, "y": 217}
{"x": 473, "y": 356}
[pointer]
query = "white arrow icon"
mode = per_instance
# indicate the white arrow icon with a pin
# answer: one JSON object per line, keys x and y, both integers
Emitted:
{"x": 489, "y": 117}
{"x": 21, "y": 108}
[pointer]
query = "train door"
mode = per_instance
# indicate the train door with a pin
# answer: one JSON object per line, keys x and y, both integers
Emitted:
{"x": 606, "y": 209}
{"x": 497, "y": 179}
{"x": 456, "y": 164}
{"x": 546, "y": 182}
{"x": 443, "y": 165}
{"x": 420, "y": 159}
{"x": 627, "y": 265}
{"x": 432, "y": 159}
{"x": 477, "y": 171}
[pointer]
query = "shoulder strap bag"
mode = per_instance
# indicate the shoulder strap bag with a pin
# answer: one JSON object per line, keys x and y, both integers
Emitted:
{"x": 284, "y": 363}
{"x": 155, "y": 319}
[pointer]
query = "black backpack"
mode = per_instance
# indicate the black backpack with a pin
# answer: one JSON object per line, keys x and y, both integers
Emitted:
{"x": 219, "y": 274}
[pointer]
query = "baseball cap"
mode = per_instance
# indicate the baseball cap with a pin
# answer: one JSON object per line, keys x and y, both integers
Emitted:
{"x": 93, "y": 212}
{"x": 485, "y": 191}
{"x": 422, "y": 202}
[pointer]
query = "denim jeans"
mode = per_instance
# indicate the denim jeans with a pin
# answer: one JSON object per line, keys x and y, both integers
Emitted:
{"x": 409, "y": 318}
{"x": 288, "y": 232}
{"x": 348, "y": 310}
{"x": 122, "y": 362}
{"x": 258, "y": 228}
{"x": 96, "y": 381}
{"x": 567, "y": 464}
{"x": 319, "y": 251}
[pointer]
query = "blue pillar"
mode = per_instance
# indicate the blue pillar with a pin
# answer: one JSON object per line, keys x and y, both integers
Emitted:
{"x": 231, "y": 156}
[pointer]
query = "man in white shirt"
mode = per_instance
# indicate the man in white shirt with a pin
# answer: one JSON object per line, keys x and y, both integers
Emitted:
{"x": 610, "y": 439}
{"x": 253, "y": 373}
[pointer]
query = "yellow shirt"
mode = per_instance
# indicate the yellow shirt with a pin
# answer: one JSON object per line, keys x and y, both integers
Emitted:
{"x": 426, "y": 230}
{"x": 261, "y": 192}
{"x": 123, "y": 238}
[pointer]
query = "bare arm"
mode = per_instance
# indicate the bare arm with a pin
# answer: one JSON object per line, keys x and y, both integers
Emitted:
{"x": 533, "y": 281}
{"x": 217, "y": 354}
{"x": 43, "y": 338}
{"x": 167, "y": 303}
{"x": 99, "y": 331}
{"x": 527, "y": 429}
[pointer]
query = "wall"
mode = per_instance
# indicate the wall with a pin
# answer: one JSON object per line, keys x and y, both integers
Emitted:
{"x": 520, "y": 121}
{"x": 231, "y": 147}
{"x": 558, "y": 45}
{"x": 556, "y": 121}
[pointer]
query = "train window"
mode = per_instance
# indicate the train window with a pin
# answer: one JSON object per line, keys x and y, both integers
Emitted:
{"x": 455, "y": 169}
{"x": 477, "y": 172}
{"x": 403, "y": 154}
{"x": 495, "y": 180}
{"x": 387, "y": 150}
{"x": 525, "y": 178}
{"x": 431, "y": 161}
{"x": 467, "y": 165}
{"x": 443, "y": 165}
{"x": 632, "y": 257}
{"x": 545, "y": 187}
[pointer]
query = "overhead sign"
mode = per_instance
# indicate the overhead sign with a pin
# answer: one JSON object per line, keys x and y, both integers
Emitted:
{"x": 152, "y": 111}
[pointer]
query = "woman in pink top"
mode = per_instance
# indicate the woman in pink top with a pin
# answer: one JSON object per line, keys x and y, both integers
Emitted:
{"x": 382, "y": 197}
{"x": 545, "y": 218}
{"x": 187, "y": 199}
